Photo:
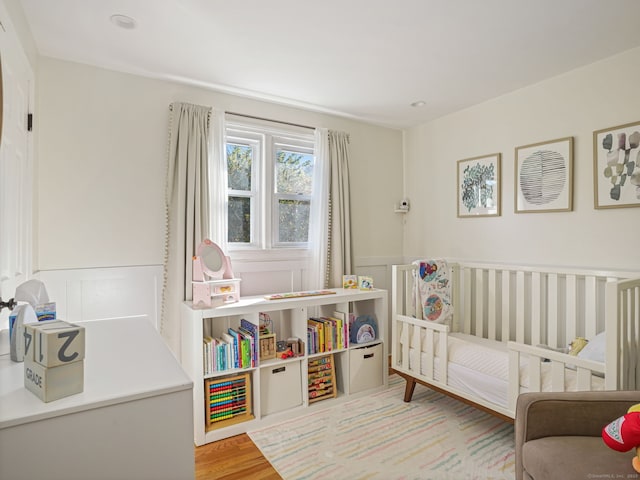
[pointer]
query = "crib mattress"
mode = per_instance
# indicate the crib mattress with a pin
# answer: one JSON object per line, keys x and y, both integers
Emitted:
{"x": 480, "y": 367}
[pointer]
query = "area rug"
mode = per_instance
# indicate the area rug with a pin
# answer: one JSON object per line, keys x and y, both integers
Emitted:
{"x": 380, "y": 437}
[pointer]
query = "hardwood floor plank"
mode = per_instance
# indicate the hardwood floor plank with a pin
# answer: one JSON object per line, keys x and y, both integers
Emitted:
{"x": 234, "y": 458}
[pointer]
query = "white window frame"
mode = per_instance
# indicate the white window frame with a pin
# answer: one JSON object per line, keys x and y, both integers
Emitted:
{"x": 264, "y": 206}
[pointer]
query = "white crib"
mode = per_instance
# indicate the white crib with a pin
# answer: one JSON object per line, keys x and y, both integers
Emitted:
{"x": 505, "y": 320}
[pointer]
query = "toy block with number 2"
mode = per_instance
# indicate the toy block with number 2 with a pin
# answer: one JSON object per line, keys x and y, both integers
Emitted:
{"x": 54, "y": 343}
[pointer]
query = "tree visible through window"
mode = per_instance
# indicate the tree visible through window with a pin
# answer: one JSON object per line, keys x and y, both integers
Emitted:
{"x": 294, "y": 174}
{"x": 270, "y": 187}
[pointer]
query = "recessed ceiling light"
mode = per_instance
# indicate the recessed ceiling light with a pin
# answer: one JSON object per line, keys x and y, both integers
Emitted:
{"x": 419, "y": 103}
{"x": 123, "y": 21}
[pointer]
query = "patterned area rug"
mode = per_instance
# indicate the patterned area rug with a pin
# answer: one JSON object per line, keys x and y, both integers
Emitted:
{"x": 381, "y": 437}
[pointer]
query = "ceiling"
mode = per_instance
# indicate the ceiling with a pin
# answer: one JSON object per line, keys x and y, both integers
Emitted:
{"x": 363, "y": 59}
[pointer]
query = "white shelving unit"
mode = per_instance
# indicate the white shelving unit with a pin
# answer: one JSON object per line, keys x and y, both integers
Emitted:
{"x": 279, "y": 387}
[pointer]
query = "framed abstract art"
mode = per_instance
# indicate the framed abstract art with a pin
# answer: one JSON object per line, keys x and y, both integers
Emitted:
{"x": 544, "y": 176}
{"x": 616, "y": 166}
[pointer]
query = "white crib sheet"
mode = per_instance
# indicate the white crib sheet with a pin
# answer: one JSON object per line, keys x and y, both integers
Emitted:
{"x": 480, "y": 367}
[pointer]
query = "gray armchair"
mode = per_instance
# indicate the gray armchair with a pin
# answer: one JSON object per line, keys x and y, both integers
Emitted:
{"x": 558, "y": 436}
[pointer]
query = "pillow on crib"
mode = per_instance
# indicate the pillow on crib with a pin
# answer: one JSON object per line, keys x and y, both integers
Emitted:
{"x": 595, "y": 349}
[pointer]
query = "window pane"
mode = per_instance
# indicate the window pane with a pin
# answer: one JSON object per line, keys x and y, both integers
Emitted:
{"x": 239, "y": 228}
{"x": 239, "y": 159}
{"x": 293, "y": 223}
{"x": 294, "y": 172}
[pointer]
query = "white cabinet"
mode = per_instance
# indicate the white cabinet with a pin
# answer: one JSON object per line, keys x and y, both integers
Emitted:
{"x": 132, "y": 420}
{"x": 278, "y": 388}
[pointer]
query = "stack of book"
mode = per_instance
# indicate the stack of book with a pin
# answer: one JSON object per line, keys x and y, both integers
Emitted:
{"x": 326, "y": 334}
{"x": 233, "y": 349}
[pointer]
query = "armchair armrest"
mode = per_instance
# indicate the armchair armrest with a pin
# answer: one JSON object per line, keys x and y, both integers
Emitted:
{"x": 547, "y": 414}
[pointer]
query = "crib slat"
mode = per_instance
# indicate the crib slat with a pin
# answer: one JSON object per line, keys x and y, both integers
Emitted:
{"x": 634, "y": 321}
{"x": 633, "y": 354}
{"x": 479, "y": 291}
{"x": 590, "y": 307}
{"x": 415, "y": 346}
{"x": 514, "y": 378}
{"x": 624, "y": 340}
{"x": 535, "y": 375}
{"x": 506, "y": 305}
{"x": 583, "y": 377}
{"x": 404, "y": 338}
{"x": 444, "y": 354}
{"x": 491, "y": 304}
{"x": 552, "y": 310}
{"x": 520, "y": 319}
{"x": 570, "y": 309}
{"x": 466, "y": 324}
{"x": 535, "y": 308}
{"x": 557, "y": 376}
{"x": 430, "y": 353}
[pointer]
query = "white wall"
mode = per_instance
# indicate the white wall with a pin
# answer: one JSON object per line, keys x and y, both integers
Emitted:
{"x": 601, "y": 95}
{"x": 102, "y": 157}
{"x": 102, "y": 152}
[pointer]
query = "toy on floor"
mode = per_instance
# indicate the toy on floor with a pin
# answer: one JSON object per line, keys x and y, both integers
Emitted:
{"x": 623, "y": 434}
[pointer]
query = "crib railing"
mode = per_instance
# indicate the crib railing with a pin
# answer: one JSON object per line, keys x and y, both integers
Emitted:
{"x": 525, "y": 307}
{"x": 559, "y": 362}
{"x": 623, "y": 335}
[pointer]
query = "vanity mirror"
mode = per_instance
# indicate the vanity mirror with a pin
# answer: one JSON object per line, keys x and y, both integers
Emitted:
{"x": 213, "y": 281}
{"x": 213, "y": 263}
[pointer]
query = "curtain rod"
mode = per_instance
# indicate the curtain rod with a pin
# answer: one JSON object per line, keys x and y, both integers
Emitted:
{"x": 270, "y": 120}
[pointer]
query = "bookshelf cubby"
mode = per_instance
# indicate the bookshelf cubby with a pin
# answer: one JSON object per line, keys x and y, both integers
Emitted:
{"x": 273, "y": 389}
{"x": 321, "y": 378}
{"x": 227, "y": 400}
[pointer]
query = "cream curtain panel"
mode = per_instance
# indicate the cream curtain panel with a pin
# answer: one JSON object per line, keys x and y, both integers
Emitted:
{"x": 339, "y": 247}
{"x": 319, "y": 215}
{"x": 187, "y": 209}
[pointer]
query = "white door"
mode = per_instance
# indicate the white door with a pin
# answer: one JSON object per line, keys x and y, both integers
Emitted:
{"x": 16, "y": 165}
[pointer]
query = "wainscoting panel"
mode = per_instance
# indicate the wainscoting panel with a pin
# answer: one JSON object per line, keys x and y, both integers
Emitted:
{"x": 115, "y": 292}
{"x": 98, "y": 293}
{"x": 379, "y": 268}
{"x": 259, "y": 278}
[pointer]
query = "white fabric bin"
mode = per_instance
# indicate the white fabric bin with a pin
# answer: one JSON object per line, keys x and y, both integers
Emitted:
{"x": 365, "y": 368}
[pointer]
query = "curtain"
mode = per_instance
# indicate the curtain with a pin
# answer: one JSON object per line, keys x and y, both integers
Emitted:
{"x": 319, "y": 225}
{"x": 339, "y": 221}
{"x": 187, "y": 210}
{"x": 218, "y": 181}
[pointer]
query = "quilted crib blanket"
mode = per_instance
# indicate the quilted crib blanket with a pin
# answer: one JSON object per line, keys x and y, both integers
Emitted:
{"x": 432, "y": 290}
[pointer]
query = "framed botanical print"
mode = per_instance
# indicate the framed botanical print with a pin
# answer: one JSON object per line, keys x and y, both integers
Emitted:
{"x": 479, "y": 186}
{"x": 616, "y": 166}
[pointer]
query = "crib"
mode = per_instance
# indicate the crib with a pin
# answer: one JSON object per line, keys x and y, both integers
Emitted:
{"x": 506, "y": 328}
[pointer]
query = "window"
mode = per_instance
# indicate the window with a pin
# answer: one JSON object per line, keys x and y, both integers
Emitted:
{"x": 269, "y": 185}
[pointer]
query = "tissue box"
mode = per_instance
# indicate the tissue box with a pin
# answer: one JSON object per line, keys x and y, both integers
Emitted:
{"x": 46, "y": 311}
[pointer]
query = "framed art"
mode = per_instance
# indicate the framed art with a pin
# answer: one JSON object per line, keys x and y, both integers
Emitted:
{"x": 616, "y": 166}
{"x": 479, "y": 186}
{"x": 544, "y": 176}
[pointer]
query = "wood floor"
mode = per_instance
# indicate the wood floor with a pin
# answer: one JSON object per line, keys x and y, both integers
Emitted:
{"x": 234, "y": 458}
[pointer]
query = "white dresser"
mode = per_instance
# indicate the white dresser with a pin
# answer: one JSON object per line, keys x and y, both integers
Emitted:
{"x": 134, "y": 418}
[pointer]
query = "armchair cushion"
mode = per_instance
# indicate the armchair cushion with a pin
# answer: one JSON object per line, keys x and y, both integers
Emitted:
{"x": 571, "y": 457}
{"x": 558, "y": 435}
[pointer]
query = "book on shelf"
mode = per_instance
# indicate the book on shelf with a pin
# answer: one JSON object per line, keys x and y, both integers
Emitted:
{"x": 326, "y": 334}
{"x": 252, "y": 330}
{"x": 230, "y": 351}
{"x": 344, "y": 328}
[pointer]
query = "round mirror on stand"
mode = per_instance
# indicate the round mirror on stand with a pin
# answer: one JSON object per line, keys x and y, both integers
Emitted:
{"x": 215, "y": 264}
